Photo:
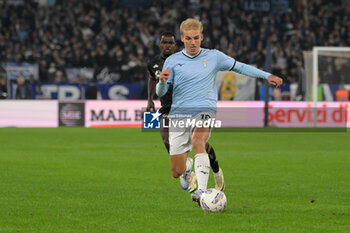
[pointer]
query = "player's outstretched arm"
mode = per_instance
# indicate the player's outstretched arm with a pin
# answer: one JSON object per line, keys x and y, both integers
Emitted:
{"x": 162, "y": 86}
{"x": 274, "y": 80}
{"x": 256, "y": 73}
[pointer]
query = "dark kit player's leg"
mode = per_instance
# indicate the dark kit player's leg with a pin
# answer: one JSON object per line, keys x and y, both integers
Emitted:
{"x": 164, "y": 132}
{"x": 214, "y": 164}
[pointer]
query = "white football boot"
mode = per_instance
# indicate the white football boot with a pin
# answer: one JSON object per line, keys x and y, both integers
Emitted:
{"x": 186, "y": 177}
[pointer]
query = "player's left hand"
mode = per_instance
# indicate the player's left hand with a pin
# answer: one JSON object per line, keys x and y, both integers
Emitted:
{"x": 274, "y": 80}
{"x": 150, "y": 106}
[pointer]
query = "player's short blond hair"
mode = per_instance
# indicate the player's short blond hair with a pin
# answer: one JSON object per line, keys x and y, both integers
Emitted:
{"x": 189, "y": 24}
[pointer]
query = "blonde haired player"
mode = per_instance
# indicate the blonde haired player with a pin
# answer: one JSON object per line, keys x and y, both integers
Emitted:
{"x": 167, "y": 46}
{"x": 192, "y": 72}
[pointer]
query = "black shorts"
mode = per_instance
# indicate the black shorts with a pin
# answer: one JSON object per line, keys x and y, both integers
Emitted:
{"x": 164, "y": 110}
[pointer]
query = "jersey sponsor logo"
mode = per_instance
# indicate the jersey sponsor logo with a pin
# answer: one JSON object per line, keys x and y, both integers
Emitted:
{"x": 180, "y": 64}
{"x": 151, "y": 120}
{"x": 155, "y": 66}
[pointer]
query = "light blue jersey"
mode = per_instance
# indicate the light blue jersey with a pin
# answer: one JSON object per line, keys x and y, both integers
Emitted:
{"x": 194, "y": 79}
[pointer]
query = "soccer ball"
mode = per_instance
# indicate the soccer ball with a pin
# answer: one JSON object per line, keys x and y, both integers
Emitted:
{"x": 213, "y": 200}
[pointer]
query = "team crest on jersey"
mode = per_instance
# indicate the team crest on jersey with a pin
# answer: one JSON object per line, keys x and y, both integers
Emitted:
{"x": 204, "y": 62}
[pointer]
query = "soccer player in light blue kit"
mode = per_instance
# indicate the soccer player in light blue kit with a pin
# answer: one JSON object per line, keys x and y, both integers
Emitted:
{"x": 192, "y": 72}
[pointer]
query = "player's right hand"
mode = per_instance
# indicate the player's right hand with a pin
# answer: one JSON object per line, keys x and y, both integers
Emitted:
{"x": 150, "y": 106}
{"x": 164, "y": 75}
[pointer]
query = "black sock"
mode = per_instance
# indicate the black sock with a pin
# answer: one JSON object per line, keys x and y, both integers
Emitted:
{"x": 214, "y": 164}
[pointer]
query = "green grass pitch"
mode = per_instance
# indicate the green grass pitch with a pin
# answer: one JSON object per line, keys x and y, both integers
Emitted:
{"x": 118, "y": 180}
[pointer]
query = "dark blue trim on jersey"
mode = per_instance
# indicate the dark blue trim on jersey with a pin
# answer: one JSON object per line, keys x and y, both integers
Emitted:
{"x": 193, "y": 56}
{"x": 233, "y": 66}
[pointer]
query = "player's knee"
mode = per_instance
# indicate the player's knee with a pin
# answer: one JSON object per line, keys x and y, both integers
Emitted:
{"x": 176, "y": 172}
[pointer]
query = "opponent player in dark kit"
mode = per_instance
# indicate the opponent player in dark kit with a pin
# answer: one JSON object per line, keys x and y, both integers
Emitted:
{"x": 167, "y": 46}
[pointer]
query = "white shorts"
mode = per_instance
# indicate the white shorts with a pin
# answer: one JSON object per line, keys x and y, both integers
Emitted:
{"x": 180, "y": 136}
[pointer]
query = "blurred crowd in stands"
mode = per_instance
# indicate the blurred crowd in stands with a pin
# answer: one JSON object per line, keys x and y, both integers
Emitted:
{"x": 106, "y": 34}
